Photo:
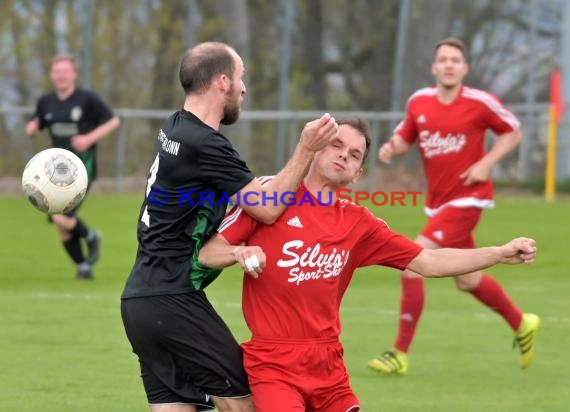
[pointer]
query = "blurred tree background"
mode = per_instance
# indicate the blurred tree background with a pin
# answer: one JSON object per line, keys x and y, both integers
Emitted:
{"x": 300, "y": 55}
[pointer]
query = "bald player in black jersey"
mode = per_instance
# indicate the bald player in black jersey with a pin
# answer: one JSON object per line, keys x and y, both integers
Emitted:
{"x": 189, "y": 359}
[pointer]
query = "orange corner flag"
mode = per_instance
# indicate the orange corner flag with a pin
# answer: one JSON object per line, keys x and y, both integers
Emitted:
{"x": 556, "y": 99}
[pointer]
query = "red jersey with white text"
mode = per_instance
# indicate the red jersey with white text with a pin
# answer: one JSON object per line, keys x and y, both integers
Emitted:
{"x": 451, "y": 138}
{"x": 312, "y": 251}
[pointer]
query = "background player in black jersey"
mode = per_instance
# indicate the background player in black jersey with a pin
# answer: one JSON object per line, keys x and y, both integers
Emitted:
{"x": 188, "y": 357}
{"x": 76, "y": 119}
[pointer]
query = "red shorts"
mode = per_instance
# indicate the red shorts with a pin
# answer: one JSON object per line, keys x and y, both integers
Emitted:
{"x": 453, "y": 227}
{"x": 293, "y": 376}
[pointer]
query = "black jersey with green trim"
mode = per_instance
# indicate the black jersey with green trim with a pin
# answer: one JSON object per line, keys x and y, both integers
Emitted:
{"x": 195, "y": 172}
{"x": 80, "y": 113}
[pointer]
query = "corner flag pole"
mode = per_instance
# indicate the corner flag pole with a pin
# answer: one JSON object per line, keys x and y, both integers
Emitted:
{"x": 550, "y": 176}
{"x": 556, "y": 106}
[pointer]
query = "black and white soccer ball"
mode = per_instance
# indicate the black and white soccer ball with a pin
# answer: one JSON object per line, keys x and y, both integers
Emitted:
{"x": 55, "y": 181}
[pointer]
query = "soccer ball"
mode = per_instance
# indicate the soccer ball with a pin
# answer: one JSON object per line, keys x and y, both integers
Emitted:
{"x": 55, "y": 181}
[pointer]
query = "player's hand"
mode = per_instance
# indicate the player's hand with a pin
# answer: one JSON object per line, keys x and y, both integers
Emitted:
{"x": 477, "y": 173}
{"x": 519, "y": 250}
{"x": 251, "y": 258}
{"x": 386, "y": 152}
{"x": 81, "y": 142}
{"x": 32, "y": 127}
{"x": 318, "y": 133}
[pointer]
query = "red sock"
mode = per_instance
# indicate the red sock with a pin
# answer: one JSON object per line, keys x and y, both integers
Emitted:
{"x": 491, "y": 293}
{"x": 411, "y": 307}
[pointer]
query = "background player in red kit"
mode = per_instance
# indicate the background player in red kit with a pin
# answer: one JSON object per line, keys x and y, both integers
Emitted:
{"x": 300, "y": 267}
{"x": 449, "y": 122}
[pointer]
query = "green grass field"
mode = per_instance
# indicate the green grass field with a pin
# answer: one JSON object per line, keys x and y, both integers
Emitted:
{"x": 62, "y": 345}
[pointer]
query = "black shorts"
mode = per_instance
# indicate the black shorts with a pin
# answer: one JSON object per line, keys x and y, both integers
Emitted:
{"x": 186, "y": 351}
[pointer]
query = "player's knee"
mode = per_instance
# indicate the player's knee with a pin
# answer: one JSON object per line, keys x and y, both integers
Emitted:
{"x": 63, "y": 222}
{"x": 58, "y": 220}
{"x": 173, "y": 408}
{"x": 462, "y": 287}
{"x": 64, "y": 235}
{"x": 465, "y": 284}
{"x": 234, "y": 405}
{"x": 408, "y": 274}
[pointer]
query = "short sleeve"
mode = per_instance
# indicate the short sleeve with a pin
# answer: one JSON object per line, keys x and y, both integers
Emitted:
{"x": 382, "y": 246}
{"x": 237, "y": 227}
{"x": 220, "y": 164}
{"x": 499, "y": 119}
{"x": 407, "y": 127}
{"x": 100, "y": 112}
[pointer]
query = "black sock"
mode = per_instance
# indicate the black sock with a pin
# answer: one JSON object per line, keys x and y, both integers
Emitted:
{"x": 73, "y": 248}
{"x": 80, "y": 230}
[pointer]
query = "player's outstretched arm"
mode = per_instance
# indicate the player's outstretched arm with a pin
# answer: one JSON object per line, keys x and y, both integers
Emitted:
{"x": 315, "y": 135}
{"x": 217, "y": 253}
{"x": 453, "y": 262}
{"x": 394, "y": 147}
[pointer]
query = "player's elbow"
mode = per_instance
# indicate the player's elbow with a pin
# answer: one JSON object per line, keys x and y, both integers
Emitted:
{"x": 516, "y": 137}
{"x": 205, "y": 257}
{"x": 426, "y": 272}
{"x": 115, "y": 122}
{"x": 425, "y": 264}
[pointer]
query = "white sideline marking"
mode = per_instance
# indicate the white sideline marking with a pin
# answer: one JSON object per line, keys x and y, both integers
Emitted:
{"x": 65, "y": 296}
{"x": 394, "y": 312}
{"x": 237, "y": 305}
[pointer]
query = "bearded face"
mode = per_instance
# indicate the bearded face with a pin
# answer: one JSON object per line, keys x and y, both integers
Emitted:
{"x": 232, "y": 106}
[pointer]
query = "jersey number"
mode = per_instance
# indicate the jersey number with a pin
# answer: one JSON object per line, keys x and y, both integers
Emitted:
{"x": 145, "y": 218}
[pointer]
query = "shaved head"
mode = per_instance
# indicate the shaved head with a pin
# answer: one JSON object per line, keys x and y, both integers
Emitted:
{"x": 202, "y": 63}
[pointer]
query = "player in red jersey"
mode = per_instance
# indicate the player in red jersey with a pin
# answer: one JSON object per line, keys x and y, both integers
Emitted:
{"x": 449, "y": 122}
{"x": 300, "y": 268}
